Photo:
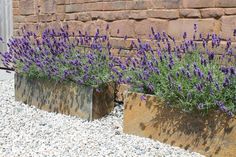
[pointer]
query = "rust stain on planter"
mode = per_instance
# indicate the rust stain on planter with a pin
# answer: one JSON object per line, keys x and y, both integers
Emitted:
{"x": 213, "y": 135}
{"x": 65, "y": 97}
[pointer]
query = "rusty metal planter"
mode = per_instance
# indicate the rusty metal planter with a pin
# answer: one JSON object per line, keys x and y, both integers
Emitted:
{"x": 65, "y": 97}
{"x": 213, "y": 135}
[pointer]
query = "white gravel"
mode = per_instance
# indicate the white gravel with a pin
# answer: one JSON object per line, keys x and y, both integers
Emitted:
{"x": 26, "y": 131}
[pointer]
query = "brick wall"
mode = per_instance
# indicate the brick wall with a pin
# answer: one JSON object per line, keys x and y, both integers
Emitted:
{"x": 133, "y": 17}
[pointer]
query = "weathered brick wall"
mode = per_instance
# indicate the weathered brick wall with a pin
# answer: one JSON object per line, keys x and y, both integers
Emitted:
{"x": 133, "y": 17}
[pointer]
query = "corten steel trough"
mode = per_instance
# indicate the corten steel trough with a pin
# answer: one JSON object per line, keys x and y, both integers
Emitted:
{"x": 213, "y": 135}
{"x": 65, "y": 97}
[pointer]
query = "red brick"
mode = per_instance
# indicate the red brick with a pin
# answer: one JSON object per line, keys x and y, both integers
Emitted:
{"x": 69, "y": 17}
{"x": 228, "y": 26}
{"x": 75, "y": 26}
{"x": 137, "y": 14}
{"x": 94, "y": 6}
{"x": 18, "y": 19}
{"x": 73, "y": 8}
{"x": 47, "y": 18}
{"x": 212, "y": 12}
{"x": 125, "y": 27}
{"x": 99, "y": 6}
{"x": 15, "y": 4}
{"x": 60, "y": 17}
{"x": 190, "y": 13}
{"x": 164, "y": 14}
{"x": 92, "y": 26}
{"x": 60, "y": 2}
{"x": 178, "y": 27}
{"x": 143, "y": 28}
{"x": 120, "y": 42}
{"x": 84, "y": 16}
{"x": 114, "y": 6}
{"x": 166, "y": 4}
{"x": 16, "y": 11}
{"x": 60, "y": 8}
{"x": 226, "y": 3}
{"x": 230, "y": 11}
{"x": 199, "y": 3}
{"x": 114, "y": 15}
{"x": 27, "y": 7}
{"x": 48, "y": 6}
{"x": 31, "y": 18}
{"x": 138, "y": 5}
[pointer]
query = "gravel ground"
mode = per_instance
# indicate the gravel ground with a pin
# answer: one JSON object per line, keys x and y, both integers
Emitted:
{"x": 26, "y": 131}
{"x": 5, "y": 76}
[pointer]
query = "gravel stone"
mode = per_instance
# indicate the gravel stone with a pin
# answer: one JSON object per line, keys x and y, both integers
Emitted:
{"x": 27, "y": 131}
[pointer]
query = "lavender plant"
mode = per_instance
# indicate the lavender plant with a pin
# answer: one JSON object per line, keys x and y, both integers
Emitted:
{"x": 62, "y": 56}
{"x": 187, "y": 75}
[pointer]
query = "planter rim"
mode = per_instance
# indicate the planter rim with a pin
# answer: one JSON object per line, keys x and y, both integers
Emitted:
{"x": 139, "y": 93}
{"x": 65, "y": 81}
{"x": 128, "y": 92}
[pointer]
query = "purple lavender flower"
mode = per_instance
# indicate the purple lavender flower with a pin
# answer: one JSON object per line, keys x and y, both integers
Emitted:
{"x": 169, "y": 78}
{"x": 179, "y": 88}
{"x": 199, "y": 73}
{"x": 230, "y": 114}
{"x": 185, "y": 35}
{"x": 177, "y": 74}
{"x": 225, "y": 70}
{"x": 203, "y": 61}
{"x": 209, "y": 77}
{"x": 153, "y": 32}
{"x": 222, "y": 106}
{"x": 200, "y": 36}
{"x": 211, "y": 91}
{"x": 143, "y": 98}
{"x": 195, "y": 27}
{"x": 157, "y": 70}
{"x": 232, "y": 70}
{"x": 195, "y": 65}
{"x": 183, "y": 71}
{"x": 107, "y": 27}
{"x": 229, "y": 51}
{"x": 204, "y": 43}
{"x": 188, "y": 67}
{"x": 200, "y": 106}
{"x": 189, "y": 95}
{"x": 150, "y": 88}
{"x": 98, "y": 90}
{"x": 188, "y": 74}
{"x": 199, "y": 86}
{"x": 211, "y": 55}
{"x": 226, "y": 82}
{"x": 228, "y": 44}
{"x": 217, "y": 86}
